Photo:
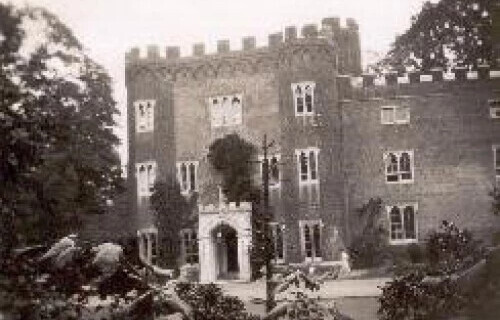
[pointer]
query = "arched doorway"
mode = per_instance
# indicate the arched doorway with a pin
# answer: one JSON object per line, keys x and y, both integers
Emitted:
{"x": 225, "y": 235}
{"x": 225, "y": 239}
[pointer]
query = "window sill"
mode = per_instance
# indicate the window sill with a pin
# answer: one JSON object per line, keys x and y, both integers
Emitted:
{"x": 312, "y": 260}
{"x": 402, "y": 242}
{"x": 395, "y": 123}
{"x": 400, "y": 182}
{"x": 308, "y": 182}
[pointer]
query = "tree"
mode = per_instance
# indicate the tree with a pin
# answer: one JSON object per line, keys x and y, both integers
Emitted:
{"x": 173, "y": 211}
{"x": 447, "y": 34}
{"x": 369, "y": 246}
{"x": 57, "y": 147}
{"x": 232, "y": 157}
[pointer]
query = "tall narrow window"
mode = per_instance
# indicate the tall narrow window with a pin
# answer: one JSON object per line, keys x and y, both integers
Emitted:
{"x": 403, "y": 226}
{"x": 308, "y": 242}
{"x": 187, "y": 176}
{"x": 309, "y": 98}
{"x": 189, "y": 245}
{"x": 278, "y": 241}
{"x": 144, "y": 115}
{"x": 299, "y": 100}
{"x": 192, "y": 177}
{"x": 409, "y": 222}
{"x": 496, "y": 162}
{"x": 399, "y": 166}
{"x": 311, "y": 239}
{"x": 183, "y": 183}
{"x": 308, "y": 165}
{"x": 396, "y": 224}
{"x": 145, "y": 177}
{"x": 405, "y": 166}
{"x": 304, "y": 170}
{"x": 303, "y": 97}
{"x": 274, "y": 170}
{"x": 317, "y": 240}
{"x": 312, "y": 165}
{"x": 392, "y": 167}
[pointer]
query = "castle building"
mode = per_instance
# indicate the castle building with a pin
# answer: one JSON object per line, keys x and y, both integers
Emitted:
{"x": 427, "y": 144}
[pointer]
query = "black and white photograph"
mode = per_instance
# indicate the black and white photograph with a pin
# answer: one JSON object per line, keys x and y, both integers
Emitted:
{"x": 249, "y": 160}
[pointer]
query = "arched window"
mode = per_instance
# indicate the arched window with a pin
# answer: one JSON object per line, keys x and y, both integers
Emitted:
{"x": 303, "y": 166}
{"x": 317, "y": 240}
{"x": 142, "y": 179}
{"x": 187, "y": 176}
{"x": 309, "y": 98}
{"x": 311, "y": 237}
{"x": 184, "y": 178}
{"x": 409, "y": 223}
{"x": 399, "y": 166}
{"x": 279, "y": 242}
{"x": 403, "y": 224}
{"x": 299, "y": 100}
{"x": 396, "y": 223}
{"x": 303, "y": 97}
{"x": 405, "y": 166}
{"x": 312, "y": 165}
{"x": 144, "y": 115}
{"x": 274, "y": 174}
{"x": 307, "y": 242}
{"x": 192, "y": 177}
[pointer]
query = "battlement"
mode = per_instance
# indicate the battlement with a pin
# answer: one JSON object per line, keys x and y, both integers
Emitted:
{"x": 435, "y": 75}
{"x": 330, "y": 28}
{"x": 231, "y": 207}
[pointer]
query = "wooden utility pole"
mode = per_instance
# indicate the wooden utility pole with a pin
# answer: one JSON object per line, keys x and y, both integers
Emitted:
{"x": 267, "y": 231}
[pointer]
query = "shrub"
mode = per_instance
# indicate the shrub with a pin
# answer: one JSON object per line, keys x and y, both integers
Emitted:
{"x": 209, "y": 303}
{"x": 369, "y": 247}
{"x": 450, "y": 249}
{"x": 419, "y": 293}
{"x": 410, "y": 297}
{"x": 415, "y": 253}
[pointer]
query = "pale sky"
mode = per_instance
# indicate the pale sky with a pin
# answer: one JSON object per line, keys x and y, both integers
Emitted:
{"x": 108, "y": 28}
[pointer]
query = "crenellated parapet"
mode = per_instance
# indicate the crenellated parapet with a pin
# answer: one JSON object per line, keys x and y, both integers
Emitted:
{"x": 371, "y": 85}
{"x": 322, "y": 41}
{"x": 231, "y": 207}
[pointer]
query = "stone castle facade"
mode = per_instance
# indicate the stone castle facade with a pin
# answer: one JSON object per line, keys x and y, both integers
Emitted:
{"x": 427, "y": 145}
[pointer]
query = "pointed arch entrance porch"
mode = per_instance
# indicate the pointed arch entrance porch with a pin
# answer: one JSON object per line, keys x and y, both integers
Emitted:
{"x": 225, "y": 234}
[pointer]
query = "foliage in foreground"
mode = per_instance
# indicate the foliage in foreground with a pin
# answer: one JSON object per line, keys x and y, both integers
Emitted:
{"x": 172, "y": 211}
{"x": 432, "y": 291}
{"x": 209, "y": 303}
{"x": 72, "y": 280}
{"x": 57, "y": 147}
{"x": 298, "y": 299}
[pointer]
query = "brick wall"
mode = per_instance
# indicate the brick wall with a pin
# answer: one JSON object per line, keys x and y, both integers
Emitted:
{"x": 451, "y": 134}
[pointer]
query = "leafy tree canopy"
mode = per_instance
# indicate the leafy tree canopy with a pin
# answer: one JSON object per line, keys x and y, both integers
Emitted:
{"x": 232, "y": 157}
{"x": 57, "y": 148}
{"x": 447, "y": 34}
{"x": 173, "y": 211}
